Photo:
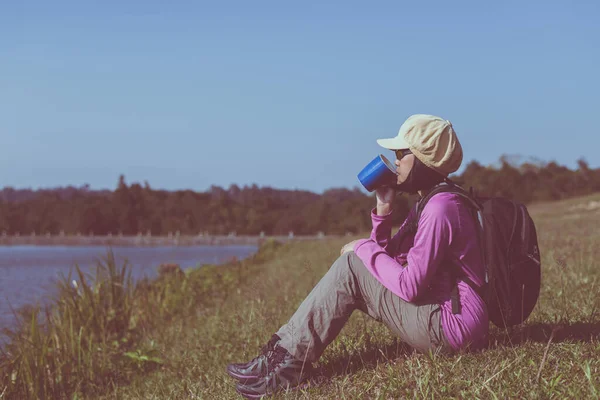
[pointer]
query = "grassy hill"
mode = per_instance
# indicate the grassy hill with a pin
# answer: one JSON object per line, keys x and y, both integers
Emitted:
{"x": 179, "y": 333}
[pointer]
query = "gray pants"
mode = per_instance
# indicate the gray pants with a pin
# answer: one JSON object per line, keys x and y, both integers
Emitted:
{"x": 348, "y": 286}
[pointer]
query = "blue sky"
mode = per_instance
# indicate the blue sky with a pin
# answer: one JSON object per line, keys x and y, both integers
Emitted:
{"x": 193, "y": 94}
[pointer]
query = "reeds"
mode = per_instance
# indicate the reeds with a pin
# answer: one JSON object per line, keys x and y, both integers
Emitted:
{"x": 94, "y": 333}
{"x": 76, "y": 342}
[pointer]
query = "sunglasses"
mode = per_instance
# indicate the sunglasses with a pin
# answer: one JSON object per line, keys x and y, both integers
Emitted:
{"x": 402, "y": 153}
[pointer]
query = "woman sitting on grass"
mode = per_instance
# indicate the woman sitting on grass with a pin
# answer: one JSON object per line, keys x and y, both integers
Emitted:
{"x": 406, "y": 281}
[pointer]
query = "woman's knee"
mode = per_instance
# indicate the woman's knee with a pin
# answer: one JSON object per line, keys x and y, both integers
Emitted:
{"x": 343, "y": 264}
{"x": 349, "y": 264}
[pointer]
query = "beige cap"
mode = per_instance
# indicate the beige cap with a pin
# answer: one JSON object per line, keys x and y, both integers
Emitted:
{"x": 431, "y": 139}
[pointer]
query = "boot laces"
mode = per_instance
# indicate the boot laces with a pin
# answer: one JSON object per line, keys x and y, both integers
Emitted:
{"x": 268, "y": 348}
{"x": 276, "y": 357}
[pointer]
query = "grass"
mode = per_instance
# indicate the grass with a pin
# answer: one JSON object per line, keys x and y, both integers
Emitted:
{"x": 171, "y": 339}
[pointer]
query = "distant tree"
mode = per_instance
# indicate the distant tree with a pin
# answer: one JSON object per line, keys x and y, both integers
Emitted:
{"x": 252, "y": 209}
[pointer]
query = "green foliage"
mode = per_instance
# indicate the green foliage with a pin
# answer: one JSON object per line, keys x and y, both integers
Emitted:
{"x": 553, "y": 355}
{"x": 530, "y": 181}
{"x": 98, "y": 329}
{"x": 177, "y": 334}
{"x": 144, "y": 359}
{"x": 131, "y": 209}
{"x": 84, "y": 331}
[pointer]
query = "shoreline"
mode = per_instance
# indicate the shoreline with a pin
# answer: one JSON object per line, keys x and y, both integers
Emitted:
{"x": 149, "y": 241}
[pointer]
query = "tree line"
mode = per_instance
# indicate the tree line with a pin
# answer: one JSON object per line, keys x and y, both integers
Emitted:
{"x": 135, "y": 208}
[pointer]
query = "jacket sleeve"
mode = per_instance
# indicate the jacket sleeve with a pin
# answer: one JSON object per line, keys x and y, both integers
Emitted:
{"x": 382, "y": 226}
{"x": 403, "y": 239}
{"x": 431, "y": 244}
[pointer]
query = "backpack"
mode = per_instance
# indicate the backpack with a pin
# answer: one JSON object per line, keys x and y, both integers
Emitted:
{"x": 508, "y": 240}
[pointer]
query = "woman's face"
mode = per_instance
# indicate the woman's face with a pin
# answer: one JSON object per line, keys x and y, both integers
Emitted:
{"x": 403, "y": 165}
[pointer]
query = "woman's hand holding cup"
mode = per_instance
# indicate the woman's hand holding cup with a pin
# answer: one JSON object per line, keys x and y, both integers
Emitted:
{"x": 381, "y": 175}
{"x": 385, "y": 198}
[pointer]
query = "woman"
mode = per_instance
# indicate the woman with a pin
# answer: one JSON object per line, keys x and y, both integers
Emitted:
{"x": 405, "y": 281}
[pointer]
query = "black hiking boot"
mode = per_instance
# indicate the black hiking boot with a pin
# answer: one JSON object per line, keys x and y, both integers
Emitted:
{"x": 253, "y": 369}
{"x": 283, "y": 372}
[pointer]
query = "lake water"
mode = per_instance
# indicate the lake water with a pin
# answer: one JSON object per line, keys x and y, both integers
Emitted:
{"x": 28, "y": 273}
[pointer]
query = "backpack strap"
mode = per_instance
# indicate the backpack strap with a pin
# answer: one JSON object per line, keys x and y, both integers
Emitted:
{"x": 450, "y": 187}
{"x": 454, "y": 298}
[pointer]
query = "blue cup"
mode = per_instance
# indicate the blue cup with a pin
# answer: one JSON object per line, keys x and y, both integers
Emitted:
{"x": 379, "y": 172}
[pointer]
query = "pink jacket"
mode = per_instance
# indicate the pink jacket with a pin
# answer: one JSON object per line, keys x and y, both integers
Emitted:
{"x": 446, "y": 235}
